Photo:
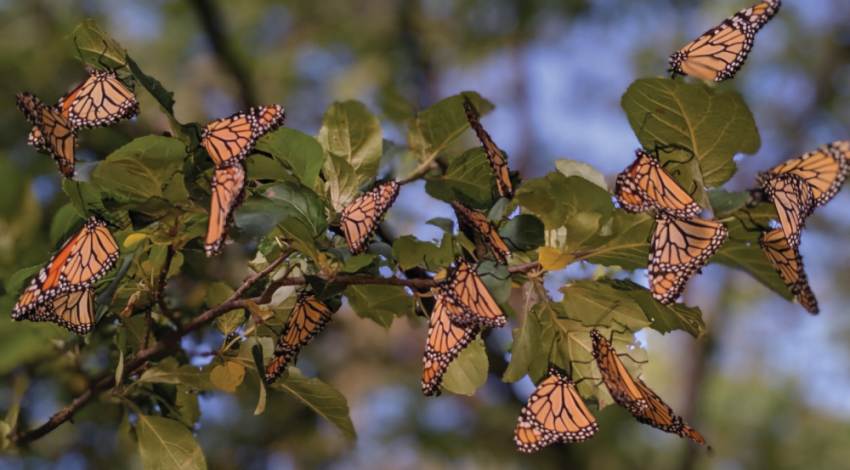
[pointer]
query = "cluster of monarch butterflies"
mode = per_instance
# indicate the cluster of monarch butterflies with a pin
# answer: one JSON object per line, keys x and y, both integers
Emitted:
{"x": 555, "y": 411}
{"x": 101, "y": 100}
{"x": 228, "y": 141}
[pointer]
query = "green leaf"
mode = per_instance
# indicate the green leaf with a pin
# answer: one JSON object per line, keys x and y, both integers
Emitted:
{"x": 524, "y": 232}
{"x": 97, "y": 47}
{"x": 711, "y": 125}
{"x": 168, "y": 371}
{"x": 725, "y": 203}
{"x": 410, "y": 252}
{"x": 556, "y": 198}
{"x": 261, "y": 167}
{"x": 166, "y": 444}
{"x": 446, "y": 225}
{"x": 300, "y": 237}
{"x": 259, "y": 361}
{"x": 325, "y": 400}
{"x": 468, "y": 179}
{"x": 598, "y": 303}
{"x": 573, "y": 168}
{"x": 187, "y": 407}
{"x": 581, "y": 228}
{"x": 350, "y": 132}
{"x": 342, "y": 185}
{"x": 17, "y": 281}
{"x": 145, "y": 170}
{"x": 358, "y": 262}
{"x": 228, "y": 376}
{"x": 301, "y": 153}
{"x": 65, "y": 223}
{"x": 300, "y": 202}
{"x": 664, "y": 318}
{"x": 433, "y": 130}
{"x": 497, "y": 279}
{"x": 749, "y": 257}
{"x": 257, "y": 217}
{"x": 468, "y": 371}
{"x": 216, "y": 295}
{"x": 525, "y": 345}
{"x": 379, "y": 303}
{"x": 623, "y": 242}
{"x": 322, "y": 289}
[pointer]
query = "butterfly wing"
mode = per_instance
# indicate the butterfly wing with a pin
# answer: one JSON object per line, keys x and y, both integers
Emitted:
{"x": 476, "y": 222}
{"x": 99, "y": 101}
{"x": 360, "y": 219}
{"x": 823, "y": 170}
{"x": 554, "y": 412}
{"x": 468, "y": 301}
{"x": 445, "y": 342}
{"x": 498, "y": 161}
{"x": 788, "y": 262}
{"x": 618, "y": 380}
{"x": 308, "y": 318}
{"x": 660, "y": 416}
{"x": 679, "y": 248}
{"x": 229, "y": 140}
{"x": 74, "y": 311}
{"x": 644, "y": 185}
{"x": 719, "y": 53}
{"x": 793, "y": 199}
{"x": 267, "y": 118}
{"x": 51, "y": 132}
{"x": 227, "y": 194}
{"x": 82, "y": 261}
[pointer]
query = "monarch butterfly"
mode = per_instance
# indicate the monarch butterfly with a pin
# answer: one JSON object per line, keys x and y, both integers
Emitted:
{"x": 554, "y": 412}
{"x": 478, "y": 223}
{"x": 679, "y": 248}
{"x": 82, "y": 260}
{"x": 645, "y": 186}
{"x": 73, "y": 311}
{"x": 634, "y": 395}
{"x": 360, "y": 219}
{"x": 51, "y": 132}
{"x": 824, "y": 170}
{"x": 468, "y": 300}
{"x": 231, "y": 139}
{"x": 719, "y": 53}
{"x": 794, "y": 202}
{"x": 99, "y": 101}
{"x": 498, "y": 160}
{"x": 786, "y": 260}
{"x": 445, "y": 342}
{"x": 227, "y": 194}
{"x": 307, "y": 319}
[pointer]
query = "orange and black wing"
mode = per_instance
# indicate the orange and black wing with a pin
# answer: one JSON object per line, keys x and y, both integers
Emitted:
{"x": 476, "y": 222}
{"x": 230, "y": 140}
{"x": 719, "y": 53}
{"x": 445, "y": 342}
{"x": 82, "y": 260}
{"x": 74, "y": 311}
{"x": 788, "y": 262}
{"x": 618, "y": 380}
{"x": 823, "y": 170}
{"x": 267, "y": 118}
{"x": 306, "y": 321}
{"x": 99, "y": 101}
{"x": 554, "y": 412}
{"x": 52, "y": 132}
{"x": 498, "y": 161}
{"x": 227, "y": 194}
{"x": 679, "y": 248}
{"x": 794, "y": 202}
{"x": 644, "y": 186}
{"x": 661, "y": 416}
{"x": 467, "y": 299}
{"x": 360, "y": 219}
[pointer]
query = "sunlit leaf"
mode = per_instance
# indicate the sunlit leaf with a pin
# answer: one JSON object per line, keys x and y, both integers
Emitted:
{"x": 166, "y": 444}
{"x": 325, "y": 400}
{"x": 468, "y": 371}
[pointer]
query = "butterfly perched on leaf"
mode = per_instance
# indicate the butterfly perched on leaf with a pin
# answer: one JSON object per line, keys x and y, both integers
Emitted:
{"x": 554, "y": 413}
{"x": 51, "y": 132}
{"x": 99, "y": 101}
{"x": 498, "y": 160}
{"x": 307, "y": 319}
{"x": 719, "y": 53}
{"x": 361, "y": 217}
{"x": 227, "y": 186}
{"x": 229, "y": 140}
{"x": 445, "y": 342}
{"x": 645, "y": 185}
{"x": 788, "y": 262}
{"x": 800, "y": 185}
{"x": 477, "y": 222}
{"x": 83, "y": 260}
{"x": 633, "y": 394}
{"x": 467, "y": 299}
{"x": 679, "y": 248}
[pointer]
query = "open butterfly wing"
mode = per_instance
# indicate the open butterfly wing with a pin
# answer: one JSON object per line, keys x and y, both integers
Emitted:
{"x": 445, "y": 342}
{"x": 361, "y": 217}
{"x": 468, "y": 301}
{"x": 307, "y": 319}
{"x": 99, "y": 101}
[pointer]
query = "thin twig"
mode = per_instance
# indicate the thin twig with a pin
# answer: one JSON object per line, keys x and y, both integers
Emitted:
{"x": 159, "y": 290}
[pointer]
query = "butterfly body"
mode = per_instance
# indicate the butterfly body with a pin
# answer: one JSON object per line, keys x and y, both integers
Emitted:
{"x": 361, "y": 217}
